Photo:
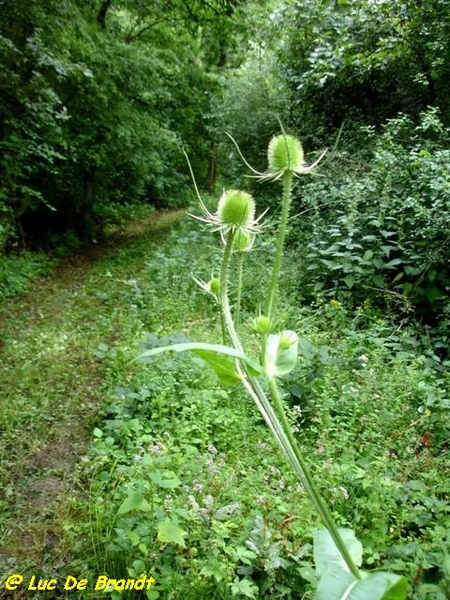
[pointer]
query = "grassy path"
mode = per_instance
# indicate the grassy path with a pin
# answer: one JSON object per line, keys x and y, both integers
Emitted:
{"x": 51, "y": 385}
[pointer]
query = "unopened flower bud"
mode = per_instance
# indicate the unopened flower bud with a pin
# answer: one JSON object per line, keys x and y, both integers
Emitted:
{"x": 287, "y": 339}
{"x": 243, "y": 241}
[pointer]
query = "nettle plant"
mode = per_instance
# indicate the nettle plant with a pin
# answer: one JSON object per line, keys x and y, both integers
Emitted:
{"x": 337, "y": 552}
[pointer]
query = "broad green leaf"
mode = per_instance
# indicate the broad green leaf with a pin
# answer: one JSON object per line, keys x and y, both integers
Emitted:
{"x": 281, "y": 353}
{"x": 215, "y": 355}
{"x": 223, "y": 366}
{"x": 349, "y": 281}
{"x": 135, "y": 501}
{"x": 170, "y": 533}
{"x": 380, "y": 586}
{"x": 334, "y": 584}
{"x": 214, "y": 569}
{"x": 337, "y": 584}
{"x": 326, "y": 554}
{"x": 165, "y": 482}
{"x": 244, "y": 587}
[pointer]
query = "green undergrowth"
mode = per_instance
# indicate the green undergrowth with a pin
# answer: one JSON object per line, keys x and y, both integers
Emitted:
{"x": 17, "y": 271}
{"x": 183, "y": 482}
{"x": 118, "y": 467}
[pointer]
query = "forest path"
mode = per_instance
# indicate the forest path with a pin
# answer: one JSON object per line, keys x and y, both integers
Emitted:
{"x": 52, "y": 384}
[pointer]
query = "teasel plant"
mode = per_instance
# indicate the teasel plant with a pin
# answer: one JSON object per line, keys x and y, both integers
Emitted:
{"x": 337, "y": 552}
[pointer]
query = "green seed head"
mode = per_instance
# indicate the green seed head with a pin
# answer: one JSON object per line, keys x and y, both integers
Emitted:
{"x": 285, "y": 154}
{"x": 236, "y": 209}
{"x": 286, "y": 340}
{"x": 243, "y": 241}
{"x": 214, "y": 286}
{"x": 262, "y": 324}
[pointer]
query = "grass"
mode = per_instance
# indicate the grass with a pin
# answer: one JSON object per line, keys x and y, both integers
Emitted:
{"x": 53, "y": 384}
{"x": 92, "y": 440}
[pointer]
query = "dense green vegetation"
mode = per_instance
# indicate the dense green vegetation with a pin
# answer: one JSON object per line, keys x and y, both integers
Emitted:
{"x": 168, "y": 472}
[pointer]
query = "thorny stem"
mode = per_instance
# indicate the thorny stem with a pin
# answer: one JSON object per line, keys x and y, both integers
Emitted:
{"x": 224, "y": 301}
{"x": 222, "y": 326}
{"x": 286, "y": 203}
{"x": 237, "y": 312}
{"x": 301, "y": 468}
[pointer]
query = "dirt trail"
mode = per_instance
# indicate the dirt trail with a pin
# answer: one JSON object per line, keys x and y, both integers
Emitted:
{"x": 51, "y": 386}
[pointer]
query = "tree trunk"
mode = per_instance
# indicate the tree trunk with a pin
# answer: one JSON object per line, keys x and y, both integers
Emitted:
{"x": 101, "y": 17}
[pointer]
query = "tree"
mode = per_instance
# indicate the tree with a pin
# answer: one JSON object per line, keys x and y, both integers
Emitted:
{"x": 97, "y": 100}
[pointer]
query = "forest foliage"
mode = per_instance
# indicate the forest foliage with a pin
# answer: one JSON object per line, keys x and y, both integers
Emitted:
{"x": 96, "y": 100}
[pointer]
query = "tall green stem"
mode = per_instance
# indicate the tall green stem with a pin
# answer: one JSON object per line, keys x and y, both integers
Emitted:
{"x": 222, "y": 326}
{"x": 237, "y": 312}
{"x": 286, "y": 204}
{"x": 301, "y": 468}
{"x": 224, "y": 301}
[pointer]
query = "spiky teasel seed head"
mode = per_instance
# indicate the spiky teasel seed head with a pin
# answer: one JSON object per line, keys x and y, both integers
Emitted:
{"x": 287, "y": 339}
{"x": 262, "y": 324}
{"x": 235, "y": 214}
{"x": 285, "y": 154}
{"x": 214, "y": 286}
{"x": 236, "y": 210}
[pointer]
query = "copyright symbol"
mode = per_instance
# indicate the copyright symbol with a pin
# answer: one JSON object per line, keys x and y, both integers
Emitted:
{"x": 13, "y": 582}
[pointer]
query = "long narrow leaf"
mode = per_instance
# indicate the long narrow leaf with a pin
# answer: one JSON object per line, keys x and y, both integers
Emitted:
{"x": 215, "y": 355}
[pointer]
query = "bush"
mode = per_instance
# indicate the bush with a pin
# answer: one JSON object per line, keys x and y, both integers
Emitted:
{"x": 388, "y": 241}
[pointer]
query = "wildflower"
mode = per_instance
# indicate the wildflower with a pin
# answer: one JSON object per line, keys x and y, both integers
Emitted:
{"x": 193, "y": 503}
{"x": 212, "y": 287}
{"x": 262, "y": 324}
{"x": 156, "y": 448}
{"x": 235, "y": 214}
{"x": 208, "y": 502}
{"x": 226, "y": 511}
{"x": 273, "y": 470}
{"x": 197, "y": 487}
{"x": 363, "y": 359}
{"x": 285, "y": 156}
{"x": 344, "y": 492}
